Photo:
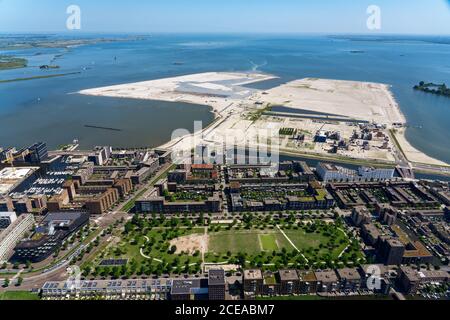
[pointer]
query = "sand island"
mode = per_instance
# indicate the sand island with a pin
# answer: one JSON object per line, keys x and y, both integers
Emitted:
{"x": 335, "y": 119}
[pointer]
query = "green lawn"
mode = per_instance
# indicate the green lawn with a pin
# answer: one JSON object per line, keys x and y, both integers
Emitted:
{"x": 320, "y": 242}
{"x": 303, "y": 240}
{"x": 157, "y": 248}
{"x": 324, "y": 242}
{"x": 254, "y": 241}
{"x": 248, "y": 241}
{"x": 147, "y": 245}
{"x": 18, "y": 295}
{"x": 268, "y": 242}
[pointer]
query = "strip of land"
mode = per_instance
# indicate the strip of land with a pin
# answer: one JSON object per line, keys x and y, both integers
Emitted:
{"x": 39, "y": 77}
{"x": 314, "y": 105}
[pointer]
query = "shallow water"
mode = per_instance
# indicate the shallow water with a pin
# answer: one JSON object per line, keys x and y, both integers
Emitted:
{"x": 44, "y": 109}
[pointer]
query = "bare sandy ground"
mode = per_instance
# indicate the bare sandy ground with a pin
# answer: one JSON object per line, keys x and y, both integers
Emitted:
{"x": 355, "y": 100}
{"x": 233, "y": 105}
{"x": 214, "y": 89}
{"x": 414, "y": 155}
{"x": 191, "y": 243}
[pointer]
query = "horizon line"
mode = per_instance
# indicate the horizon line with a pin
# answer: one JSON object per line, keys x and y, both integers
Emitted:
{"x": 149, "y": 33}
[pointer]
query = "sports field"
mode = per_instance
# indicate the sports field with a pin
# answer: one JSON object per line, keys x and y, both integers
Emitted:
{"x": 268, "y": 242}
{"x": 248, "y": 241}
{"x": 324, "y": 240}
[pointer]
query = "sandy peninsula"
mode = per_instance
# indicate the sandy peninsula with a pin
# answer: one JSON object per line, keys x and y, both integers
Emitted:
{"x": 336, "y": 106}
{"x": 366, "y": 101}
{"x": 412, "y": 154}
{"x": 215, "y": 89}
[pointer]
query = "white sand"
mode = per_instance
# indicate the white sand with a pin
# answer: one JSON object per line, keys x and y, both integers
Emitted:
{"x": 414, "y": 155}
{"x": 355, "y": 100}
{"x": 232, "y": 105}
{"x": 179, "y": 89}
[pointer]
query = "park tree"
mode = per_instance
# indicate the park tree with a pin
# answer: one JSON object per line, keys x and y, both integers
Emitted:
{"x": 19, "y": 281}
{"x": 128, "y": 228}
{"x": 86, "y": 270}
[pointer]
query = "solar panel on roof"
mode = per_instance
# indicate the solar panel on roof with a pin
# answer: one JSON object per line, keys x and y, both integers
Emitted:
{"x": 113, "y": 262}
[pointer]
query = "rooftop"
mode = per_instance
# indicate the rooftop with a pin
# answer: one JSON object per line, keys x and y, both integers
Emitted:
{"x": 11, "y": 177}
{"x": 254, "y": 274}
{"x": 216, "y": 277}
{"x": 349, "y": 274}
{"x": 270, "y": 279}
{"x": 288, "y": 275}
{"x": 308, "y": 276}
{"x": 326, "y": 276}
{"x": 187, "y": 286}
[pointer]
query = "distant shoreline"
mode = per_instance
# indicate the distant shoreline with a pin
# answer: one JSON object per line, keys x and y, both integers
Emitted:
{"x": 40, "y": 77}
{"x": 205, "y": 89}
{"x": 102, "y": 128}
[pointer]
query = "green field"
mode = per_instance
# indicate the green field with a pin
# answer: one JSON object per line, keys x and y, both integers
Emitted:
{"x": 305, "y": 241}
{"x": 147, "y": 250}
{"x": 248, "y": 241}
{"x": 159, "y": 246}
{"x": 325, "y": 241}
{"x": 268, "y": 242}
{"x": 18, "y": 295}
{"x": 318, "y": 243}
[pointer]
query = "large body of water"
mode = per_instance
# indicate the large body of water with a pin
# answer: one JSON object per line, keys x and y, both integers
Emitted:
{"x": 47, "y": 109}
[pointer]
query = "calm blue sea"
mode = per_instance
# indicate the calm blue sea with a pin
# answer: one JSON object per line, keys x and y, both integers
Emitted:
{"x": 47, "y": 109}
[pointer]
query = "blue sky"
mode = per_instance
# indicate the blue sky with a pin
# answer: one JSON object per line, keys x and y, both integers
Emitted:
{"x": 278, "y": 16}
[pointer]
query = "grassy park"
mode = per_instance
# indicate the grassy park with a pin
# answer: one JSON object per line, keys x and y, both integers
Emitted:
{"x": 159, "y": 246}
{"x": 18, "y": 295}
{"x": 312, "y": 244}
{"x": 249, "y": 241}
{"x": 148, "y": 247}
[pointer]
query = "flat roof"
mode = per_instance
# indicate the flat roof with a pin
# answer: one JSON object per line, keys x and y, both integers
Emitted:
{"x": 68, "y": 216}
{"x": 7, "y": 213}
{"x": 11, "y": 177}
{"x": 216, "y": 277}
{"x": 395, "y": 242}
{"x": 307, "y": 276}
{"x": 288, "y": 275}
{"x": 149, "y": 194}
{"x": 326, "y": 276}
{"x": 254, "y": 274}
{"x": 186, "y": 286}
{"x": 410, "y": 273}
{"x": 349, "y": 274}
